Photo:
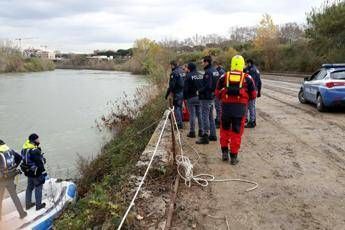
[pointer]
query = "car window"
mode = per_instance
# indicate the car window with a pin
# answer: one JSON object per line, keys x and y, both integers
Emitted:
{"x": 338, "y": 75}
{"x": 322, "y": 74}
{"x": 312, "y": 77}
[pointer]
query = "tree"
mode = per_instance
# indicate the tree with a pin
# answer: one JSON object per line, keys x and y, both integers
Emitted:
{"x": 290, "y": 32}
{"x": 266, "y": 41}
{"x": 326, "y": 31}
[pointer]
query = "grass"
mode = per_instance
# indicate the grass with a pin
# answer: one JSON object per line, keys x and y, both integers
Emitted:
{"x": 103, "y": 186}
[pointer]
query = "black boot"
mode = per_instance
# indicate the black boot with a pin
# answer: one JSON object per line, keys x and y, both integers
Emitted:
{"x": 234, "y": 160}
{"x": 28, "y": 206}
{"x": 225, "y": 154}
{"x": 200, "y": 133}
{"x": 23, "y": 215}
{"x": 191, "y": 134}
{"x": 250, "y": 125}
{"x": 43, "y": 205}
{"x": 212, "y": 138}
{"x": 216, "y": 121}
{"x": 203, "y": 140}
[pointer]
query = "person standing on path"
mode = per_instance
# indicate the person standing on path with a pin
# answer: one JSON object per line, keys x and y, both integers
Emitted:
{"x": 190, "y": 92}
{"x": 253, "y": 71}
{"x": 217, "y": 103}
{"x": 9, "y": 161}
{"x": 175, "y": 89}
{"x": 206, "y": 96}
{"x": 234, "y": 89}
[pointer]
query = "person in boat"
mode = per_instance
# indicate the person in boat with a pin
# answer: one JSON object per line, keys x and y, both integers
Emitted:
{"x": 9, "y": 161}
{"x": 33, "y": 168}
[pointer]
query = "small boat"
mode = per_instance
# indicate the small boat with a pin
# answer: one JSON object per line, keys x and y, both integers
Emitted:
{"x": 56, "y": 194}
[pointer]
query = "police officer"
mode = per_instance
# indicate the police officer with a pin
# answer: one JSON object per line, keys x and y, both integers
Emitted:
{"x": 175, "y": 89}
{"x": 9, "y": 161}
{"x": 33, "y": 168}
{"x": 255, "y": 74}
{"x": 206, "y": 97}
{"x": 234, "y": 89}
{"x": 217, "y": 103}
{"x": 193, "y": 82}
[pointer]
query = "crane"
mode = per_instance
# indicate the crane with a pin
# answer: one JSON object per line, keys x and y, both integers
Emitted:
{"x": 21, "y": 39}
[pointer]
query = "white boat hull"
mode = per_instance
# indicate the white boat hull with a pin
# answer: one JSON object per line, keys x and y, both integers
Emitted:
{"x": 56, "y": 195}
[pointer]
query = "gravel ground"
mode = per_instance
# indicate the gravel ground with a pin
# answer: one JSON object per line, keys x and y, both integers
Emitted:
{"x": 296, "y": 154}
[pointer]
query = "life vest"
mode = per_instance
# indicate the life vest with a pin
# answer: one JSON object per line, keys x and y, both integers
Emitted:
{"x": 235, "y": 90}
{"x": 8, "y": 165}
{"x": 28, "y": 167}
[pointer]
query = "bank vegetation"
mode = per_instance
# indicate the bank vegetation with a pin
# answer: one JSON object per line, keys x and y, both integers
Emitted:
{"x": 12, "y": 60}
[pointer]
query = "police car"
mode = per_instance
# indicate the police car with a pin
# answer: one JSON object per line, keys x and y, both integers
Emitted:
{"x": 325, "y": 88}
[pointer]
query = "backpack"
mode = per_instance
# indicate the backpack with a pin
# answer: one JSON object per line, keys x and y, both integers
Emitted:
{"x": 8, "y": 167}
{"x": 234, "y": 83}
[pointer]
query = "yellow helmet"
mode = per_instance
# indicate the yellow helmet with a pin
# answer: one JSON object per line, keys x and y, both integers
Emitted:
{"x": 237, "y": 63}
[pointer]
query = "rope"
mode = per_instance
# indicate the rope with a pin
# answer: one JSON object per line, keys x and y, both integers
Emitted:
{"x": 185, "y": 168}
{"x": 146, "y": 172}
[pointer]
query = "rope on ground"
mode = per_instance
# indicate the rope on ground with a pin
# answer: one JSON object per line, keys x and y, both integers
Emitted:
{"x": 185, "y": 167}
{"x": 146, "y": 172}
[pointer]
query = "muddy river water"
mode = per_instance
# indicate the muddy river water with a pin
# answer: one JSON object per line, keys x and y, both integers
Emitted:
{"x": 61, "y": 106}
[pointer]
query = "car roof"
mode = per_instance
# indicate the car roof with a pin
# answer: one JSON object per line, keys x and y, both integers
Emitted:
{"x": 333, "y": 66}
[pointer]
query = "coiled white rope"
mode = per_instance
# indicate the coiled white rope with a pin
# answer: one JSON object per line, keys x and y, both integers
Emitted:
{"x": 185, "y": 167}
{"x": 146, "y": 172}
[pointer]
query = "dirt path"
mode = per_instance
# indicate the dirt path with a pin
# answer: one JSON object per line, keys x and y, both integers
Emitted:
{"x": 297, "y": 156}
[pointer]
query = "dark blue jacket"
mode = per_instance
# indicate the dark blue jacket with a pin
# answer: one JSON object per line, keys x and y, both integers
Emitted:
{"x": 33, "y": 160}
{"x": 255, "y": 74}
{"x": 221, "y": 70}
{"x": 209, "y": 83}
{"x": 193, "y": 82}
{"x": 176, "y": 82}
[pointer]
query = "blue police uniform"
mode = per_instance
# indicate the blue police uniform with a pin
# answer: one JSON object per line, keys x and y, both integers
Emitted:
{"x": 175, "y": 88}
{"x": 193, "y": 82}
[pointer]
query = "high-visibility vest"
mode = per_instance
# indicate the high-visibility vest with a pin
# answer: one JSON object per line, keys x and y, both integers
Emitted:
{"x": 7, "y": 162}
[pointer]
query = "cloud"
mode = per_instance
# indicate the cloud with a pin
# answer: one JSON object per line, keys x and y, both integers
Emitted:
{"x": 79, "y": 25}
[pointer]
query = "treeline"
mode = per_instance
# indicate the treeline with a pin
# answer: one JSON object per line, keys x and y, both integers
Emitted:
{"x": 289, "y": 47}
{"x": 12, "y": 60}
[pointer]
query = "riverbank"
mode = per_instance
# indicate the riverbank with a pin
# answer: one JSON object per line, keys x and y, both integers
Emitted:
{"x": 92, "y": 64}
{"x": 103, "y": 186}
{"x": 16, "y": 63}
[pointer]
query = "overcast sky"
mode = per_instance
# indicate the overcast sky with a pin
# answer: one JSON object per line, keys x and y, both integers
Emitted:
{"x": 86, "y": 25}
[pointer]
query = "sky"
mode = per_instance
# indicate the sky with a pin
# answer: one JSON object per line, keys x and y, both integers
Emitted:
{"x": 86, "y": 25}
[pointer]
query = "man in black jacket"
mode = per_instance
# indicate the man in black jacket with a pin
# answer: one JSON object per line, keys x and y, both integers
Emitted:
{"x": 33, "y": 168}
{"x": 206, "y": 97}
{"x": 217, "y": 102}
{"x": 193, "y": 82}
{"x": 253, "y": 71}
{"x": 175, "y": 89}
{"x": 9, "y": 161}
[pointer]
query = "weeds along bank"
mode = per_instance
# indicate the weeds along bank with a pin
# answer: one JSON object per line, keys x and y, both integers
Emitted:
{"x": 11, "y": 60}
{"x": 103, "y": 185}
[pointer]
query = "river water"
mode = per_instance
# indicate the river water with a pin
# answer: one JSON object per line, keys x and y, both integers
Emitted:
{"x": 61, "y": 106}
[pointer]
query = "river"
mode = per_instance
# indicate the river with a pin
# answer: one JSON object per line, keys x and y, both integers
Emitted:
{"x": 61, "y": 106}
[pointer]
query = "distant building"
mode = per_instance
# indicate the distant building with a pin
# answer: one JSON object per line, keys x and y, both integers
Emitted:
{"x": 32, "y": 52}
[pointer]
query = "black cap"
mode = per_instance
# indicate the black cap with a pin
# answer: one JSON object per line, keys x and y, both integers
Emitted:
{"x": 191, "y": 66}
{"x": 208, "y": 59}
{"x": 2, "y": 142}
{"x": 173, "y": 63}
{"x": 33, "y": 137}
{"x": 250, "y": 61}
